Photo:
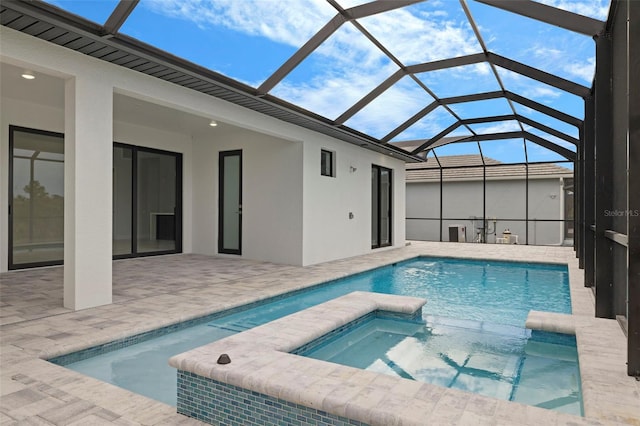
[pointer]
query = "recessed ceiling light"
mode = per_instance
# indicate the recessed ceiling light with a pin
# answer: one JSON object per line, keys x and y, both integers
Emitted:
{"x": 213, "y": 123}
{"x": 28, "y": 75}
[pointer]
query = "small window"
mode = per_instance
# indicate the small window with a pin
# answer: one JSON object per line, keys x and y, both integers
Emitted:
{"x": 327, "y": 163}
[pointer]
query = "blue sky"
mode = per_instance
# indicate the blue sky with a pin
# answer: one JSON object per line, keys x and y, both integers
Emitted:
{"x": 249, "y": 39}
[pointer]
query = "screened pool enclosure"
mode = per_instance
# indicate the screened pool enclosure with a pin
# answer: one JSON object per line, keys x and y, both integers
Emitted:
{"x": 520, "y": 86}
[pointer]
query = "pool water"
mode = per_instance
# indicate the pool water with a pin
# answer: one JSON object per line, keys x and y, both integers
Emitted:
{"x": 502, "y": 362}
{"x": 487, "y": 293}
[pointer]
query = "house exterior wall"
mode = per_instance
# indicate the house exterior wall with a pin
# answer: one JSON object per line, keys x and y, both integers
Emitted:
{"x": 291, "y": 214}
{"x": 505, "y": 201}
{"x": 329, "y": 233}
{"x": 271, "y": 193}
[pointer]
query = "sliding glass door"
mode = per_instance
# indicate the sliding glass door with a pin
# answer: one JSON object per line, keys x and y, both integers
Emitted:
{"x": 122, "y": 200}
{"x": 381, "y": 207}
{"x": 36, "y": 198}
{"x": 147, "y": 201}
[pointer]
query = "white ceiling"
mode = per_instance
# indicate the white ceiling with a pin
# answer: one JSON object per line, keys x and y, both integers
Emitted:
{"x": 49, "y": 91}
{"x": 44, "y": 89}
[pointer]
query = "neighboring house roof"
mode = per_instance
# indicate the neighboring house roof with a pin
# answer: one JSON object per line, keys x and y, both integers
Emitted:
{"x": 464, "y": 170}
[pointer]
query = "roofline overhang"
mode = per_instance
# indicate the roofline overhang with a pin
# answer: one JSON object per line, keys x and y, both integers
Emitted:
{"x": 94, "y": 40}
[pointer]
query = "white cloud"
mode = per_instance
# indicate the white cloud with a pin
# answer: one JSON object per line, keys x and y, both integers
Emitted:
{"x": 500, "y": 127}
{"x": 331, "y": 94}
{"x": 391, "y": 109}
{"x": 423, "y": 36}
{"x": 527, "y": 87}
{"x": 347, "y": 65}
{"x": 547, "y": 52}
{"x": 429, "y": 126}
{"x": 541, "y": 92}
{"x": 561, "y": 61}
{"x": 285, "y": 21}
{"x": 583, "y": 70}
{"x": 597, "y": 9}
{"x": 507, "y": 151}
{"x": 553, "y": 139}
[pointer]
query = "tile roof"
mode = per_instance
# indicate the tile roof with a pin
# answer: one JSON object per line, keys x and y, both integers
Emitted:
{"x": 430, "y": 171}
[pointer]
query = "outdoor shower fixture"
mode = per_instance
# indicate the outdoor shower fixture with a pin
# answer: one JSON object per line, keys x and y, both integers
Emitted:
{"x": 485, "y": 229}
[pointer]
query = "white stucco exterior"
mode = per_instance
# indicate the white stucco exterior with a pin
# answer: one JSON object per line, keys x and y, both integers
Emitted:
{"x": 291, "y": 214}
{"x": 462, "y": 201}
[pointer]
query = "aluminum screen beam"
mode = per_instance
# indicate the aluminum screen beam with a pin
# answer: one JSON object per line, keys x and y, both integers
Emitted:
{"x": 300, "y": 55}
{"x": 541, "y": 76}
{"x": 516, "y": 98}
{"x": 431, "y": 143}
{"x": 476, "y": 31}
{"x": 551, "y": 131}
{"x": 119, "y": 15}
{"x": 550, "y": 15}
{"x": 395, "y": 77}
{"x": 414, "y": 69}
{"x": 568, "y": 154}
{"x": 460, "y": 61}
{"x": 496, "y": 95}
{"x": 604, "y": 182}
{"x": 472, "y": 98}
{"x": 506, "y": 63}
{"x": 569, "y": 119}
{"x": 489, "y": 119}
{"x": 325, "y": 32}
{"x": 376, "y": 7}
{"x": 410, "y": 122}
{"x": 436, "y": 138}
{"x": 589, "y": 192}
{"x": 524, "y": 120}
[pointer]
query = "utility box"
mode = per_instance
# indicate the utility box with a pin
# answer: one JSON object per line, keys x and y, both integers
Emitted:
{"x": 457, "y": 233}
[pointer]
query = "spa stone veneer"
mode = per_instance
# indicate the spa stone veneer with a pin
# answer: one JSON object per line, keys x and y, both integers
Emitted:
{"x": 266, "y": 384}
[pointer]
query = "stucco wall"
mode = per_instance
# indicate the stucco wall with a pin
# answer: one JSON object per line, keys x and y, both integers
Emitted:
{"x": 291, "y": 213}
{"x": 271, "y": 195}
{"x": 505, "y": 199}
{"x": 329, "y": 233}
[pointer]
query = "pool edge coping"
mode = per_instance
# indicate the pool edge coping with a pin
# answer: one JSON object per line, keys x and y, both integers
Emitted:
{"x": 260, "y": 363}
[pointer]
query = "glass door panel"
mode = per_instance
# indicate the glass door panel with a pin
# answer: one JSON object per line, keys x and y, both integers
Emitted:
{"x": 36, "y": 188}
{"x": 122, "y": 200}
{"x": 385, "y": 207}
{"x": 375, "y": 220}
{"x": 381, "y": 206}
{"x": 156, "y": 202}
{"x": 230, "y": 203}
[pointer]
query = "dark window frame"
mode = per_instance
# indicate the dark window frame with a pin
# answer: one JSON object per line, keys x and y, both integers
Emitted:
{"x": 134, "y": 202}
{"x": 332, "y": 163}
{"x": 379, "y": 170}
{"x": 221, "y": 157}
{"x": 10, "y": 265}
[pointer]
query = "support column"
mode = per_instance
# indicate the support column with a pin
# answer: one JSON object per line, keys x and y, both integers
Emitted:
{"x": 578, "y": 209}
{"x": 589, "y": 193}
{"x": 633, "y": 185}
{"x": 604, "y": 177}
{"x": 578, "y": 223}
{"x": 88, "y": 178}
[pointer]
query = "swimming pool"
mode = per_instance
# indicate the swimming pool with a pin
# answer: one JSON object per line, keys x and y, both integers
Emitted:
{"x": 504, "y": 362}
{"x": 488, "y": 292}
